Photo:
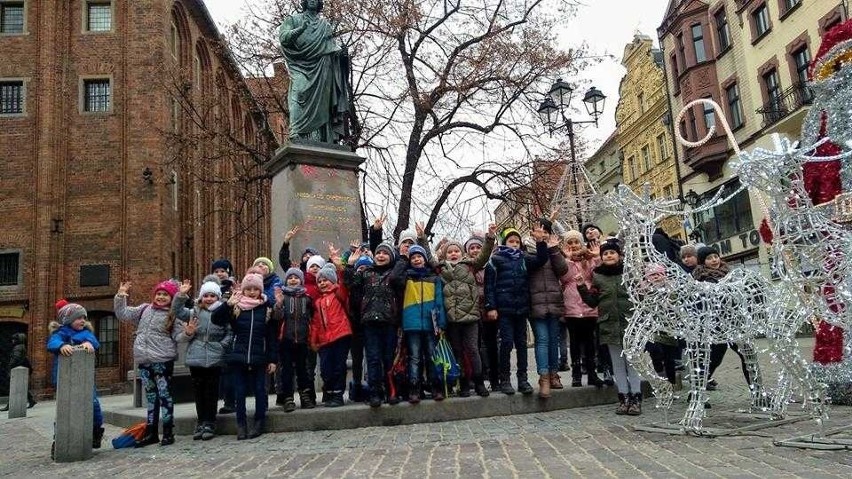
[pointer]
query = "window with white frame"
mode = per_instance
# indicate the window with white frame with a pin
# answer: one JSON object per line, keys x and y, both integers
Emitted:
{"x": 735, "y": 107}
{"x": 760, "y": 17}
{"x": 98, "y": 16}
{"x": 12, "y": 17}
{"x": 661, "y": 147}
{"x": 11, "y": 97}
{"x": 10, "y": 268}
{"x": 698, "y": 43}
{"x": 97, "y": 95}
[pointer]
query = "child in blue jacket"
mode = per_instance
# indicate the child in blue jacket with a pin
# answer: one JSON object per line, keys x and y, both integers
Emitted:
{"x": 69, "y": 331}
{"x": 423, "y": 319}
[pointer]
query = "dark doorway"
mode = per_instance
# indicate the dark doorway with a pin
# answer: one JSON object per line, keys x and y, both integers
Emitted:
{"x": 7, "y": 329}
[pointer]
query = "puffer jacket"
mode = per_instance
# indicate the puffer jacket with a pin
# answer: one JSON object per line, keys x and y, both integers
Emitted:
{"x": 206, "y": 347}
{"x": 330, "y": 321}
{"x": 270, "y": 282}
{"x": 62, "y": 335}
{"x": 153, "y": 343}
{"x": 378, "y": 289}
{"x": 255, "y": 334}
{"x": 296, "y": 312}
{"x": 423, "y": 302}
{"x": 507, "y": 279}
{"x": 575, "y": 307}
{"x": 545, "y": 288}
{"x": 462, "y": 294}
{"x": 610, "y": 296}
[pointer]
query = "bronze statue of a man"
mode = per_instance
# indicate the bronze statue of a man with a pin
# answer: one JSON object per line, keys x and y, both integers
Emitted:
{"x": 318, "y": 96}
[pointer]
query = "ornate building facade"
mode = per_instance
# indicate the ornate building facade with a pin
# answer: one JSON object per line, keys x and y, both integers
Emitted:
{"x": 750, "y": 57}
{"x": 642, "y": 121}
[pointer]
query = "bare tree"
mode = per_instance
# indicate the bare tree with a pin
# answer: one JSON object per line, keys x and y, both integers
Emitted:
{"x": 444, "y": 91}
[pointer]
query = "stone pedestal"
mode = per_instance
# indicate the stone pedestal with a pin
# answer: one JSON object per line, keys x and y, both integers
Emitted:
{"x": 315, "y": 186}
{"x": 74, "y": 422}
{"x": 18, "y": 386}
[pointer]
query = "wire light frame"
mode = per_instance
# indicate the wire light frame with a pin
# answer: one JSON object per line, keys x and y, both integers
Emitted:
{"x": 576, "y": 197}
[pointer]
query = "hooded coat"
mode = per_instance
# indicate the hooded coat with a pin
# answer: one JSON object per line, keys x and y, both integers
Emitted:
{"x": 462, "y": 295}
{"x": 207, "y": 346}
{"x": 546, "y": 288}
{"x": 153, "y": 343}
{"x": 507, "y": 279}
{"x": 610, "y": 296}
{"x": 66, "y": 335}
{"x": 255, "y": 333}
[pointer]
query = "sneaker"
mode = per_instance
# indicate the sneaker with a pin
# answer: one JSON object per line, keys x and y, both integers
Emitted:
{"x": 414, "y": 398}
{"x": 635, "y": 406}
{"x": 375, "y": 400}
{"x": 480, "y": 389}
{"x": 199, "y": 431}
{"x": 289, "y": 405}
{"x": 506, "y": 388}
{"x": 525, "y": 388}
{"x": 563, "y": 366}
{"x": 712, "y": 385}
{"x": 623, "y": 405}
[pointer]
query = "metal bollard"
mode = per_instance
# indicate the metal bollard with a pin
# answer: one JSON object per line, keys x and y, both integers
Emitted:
{"x": 74, "y": 423}
{"x": 18, "y": 385}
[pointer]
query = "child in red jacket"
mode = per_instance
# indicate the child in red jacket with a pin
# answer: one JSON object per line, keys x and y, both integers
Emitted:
{"x": 331, "y": 334}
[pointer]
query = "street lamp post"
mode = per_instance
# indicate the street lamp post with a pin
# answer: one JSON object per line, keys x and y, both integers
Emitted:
{"x": 553, "y": 109}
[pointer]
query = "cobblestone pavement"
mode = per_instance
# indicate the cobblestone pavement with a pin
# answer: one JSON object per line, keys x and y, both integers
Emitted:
{"x": 585, "y": 442}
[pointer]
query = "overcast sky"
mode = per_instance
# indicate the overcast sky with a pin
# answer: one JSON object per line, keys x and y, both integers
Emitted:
{"x": 605, "y": 25}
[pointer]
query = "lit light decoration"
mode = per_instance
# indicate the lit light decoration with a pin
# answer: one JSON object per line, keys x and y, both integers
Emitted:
{"x": 737, "y": 309}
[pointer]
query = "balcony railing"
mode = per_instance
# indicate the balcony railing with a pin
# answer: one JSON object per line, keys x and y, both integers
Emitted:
{"x": 786, "y": 103}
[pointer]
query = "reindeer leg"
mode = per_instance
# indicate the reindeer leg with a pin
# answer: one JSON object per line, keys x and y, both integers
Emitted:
{"x": 697, "y": 362}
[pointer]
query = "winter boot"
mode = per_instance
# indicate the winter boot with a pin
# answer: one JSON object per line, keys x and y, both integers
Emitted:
{"x": 375, "y": 398}
{"x": 543, "y": 386}
{"x": 506, "y": 385}
{"x": 168, "y": 435}
{"x": 97, "y": 437}
{"x": 464, "y": 388}
{"x": 414, "y": 393}
{"x": 257, "y": 431}
{"x": 438, "y": 392}
{"x": 556, "y": 381}
{"x": 289, "y": 404}
{"x": 199, "y": 431}
{"x": 280, "y": 399}
{"x": 635, "y": 407}
{"x": 576, "y": 375}
{"x": 242, "y": 431}
{"x": 335, "y": 398}
{"x": 150, "y": 436}
{"x": 208, "y": 431}
{"x": 479, "y": 387}
{"x": 307, "y": 399}
{"x": 623, "y": 404}
{"x": 524, "y": 386}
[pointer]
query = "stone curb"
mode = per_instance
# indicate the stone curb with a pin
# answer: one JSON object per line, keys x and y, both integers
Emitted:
{"x": 354, "y": 416}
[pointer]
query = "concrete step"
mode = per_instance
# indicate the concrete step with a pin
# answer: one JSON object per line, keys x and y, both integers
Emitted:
{"x": 356, "y": 415}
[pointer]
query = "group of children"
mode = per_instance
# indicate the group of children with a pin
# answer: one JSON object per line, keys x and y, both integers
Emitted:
{"x": 388, "y": 304}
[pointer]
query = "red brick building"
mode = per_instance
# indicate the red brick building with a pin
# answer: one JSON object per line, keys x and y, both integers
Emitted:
{"x": 131, "y": 148}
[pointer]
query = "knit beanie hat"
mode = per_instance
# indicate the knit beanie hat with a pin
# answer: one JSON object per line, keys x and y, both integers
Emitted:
{"x": 575, "y": 235}
{"x": 407, "y": 235}
{"x": 328, "y": 272}
{"x": 688, "y": 250}
{"x": 364, "y": 261}
{"x": 388, "y": 248}
{"x": 509, "y": 231}
{"x": 252, "y": 280}
{"x": 69, "y": 313}
{"x": 446, "y": 246}
{"x": 264, "y": 260}
{"x": 222, "y": 263}
{"x": 587, "y": 227}
{"x": 295, "y": 272}
{"x": 170, "y": 286}
{"x": 310, "y": 251}
{"x": 704, "y": 252}
{"x": 210, "y": 287}
{"x": 473, "y": 240}
{"x": 59, "y": 304}
{"x": 610, "y": 246}
{"x": 315, "y": 260}
{"x": 546, "y": 225}
{"x": 654, "y": 268}
{"x": 417, "y": 249}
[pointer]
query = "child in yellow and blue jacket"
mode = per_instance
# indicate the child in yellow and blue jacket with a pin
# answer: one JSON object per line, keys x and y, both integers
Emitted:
{"x": 423, "y": 318}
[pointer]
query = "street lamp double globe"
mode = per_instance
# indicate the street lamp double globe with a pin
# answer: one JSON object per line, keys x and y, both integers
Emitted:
{"x": 552, "y": 111}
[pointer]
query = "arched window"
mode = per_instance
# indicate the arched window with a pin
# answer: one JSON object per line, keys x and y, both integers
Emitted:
{"x": 179, "y": 38}
{"x": 201, "y": 68}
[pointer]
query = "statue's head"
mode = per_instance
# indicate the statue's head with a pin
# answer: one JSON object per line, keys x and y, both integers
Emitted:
{"x": 315, "y": 5}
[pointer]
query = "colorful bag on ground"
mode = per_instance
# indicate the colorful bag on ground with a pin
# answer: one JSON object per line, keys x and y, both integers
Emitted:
{"x": 446, "y": 366}
{"x": 130, "y": 436}
{"x": 396, "y": 375}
